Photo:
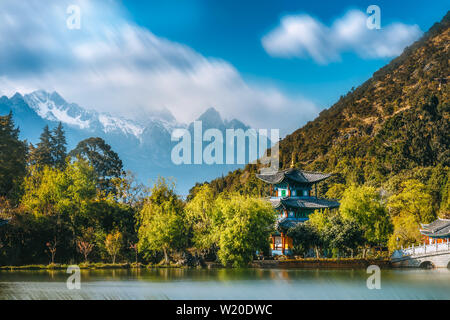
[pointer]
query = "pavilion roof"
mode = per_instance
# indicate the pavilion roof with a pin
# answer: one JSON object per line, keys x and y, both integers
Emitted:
{"x": 3, "y": 222}
{"x": 293, "y": 175}
{"x": 287, "y": 223}
{"x": 307, "y": 203}
{"x": 437, "y": 228}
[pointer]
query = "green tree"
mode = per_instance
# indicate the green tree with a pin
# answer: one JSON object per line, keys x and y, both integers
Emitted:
{"x": 64, "y": 194}
{"x": 320, "y": 219}
{"x": 363, "y": 204}
{"x": 445, "y": 202}
{"x": 52, "y": 191}
{"x": 336, "y": 191}
{"x": 201, "y": 216}
{"x": 25, "y": 239}
{"x": 105, "y": 161}
{"x": 244, "y": 228}
{"x": 129, "y": 191}
{"x": 305, "y": 237}
{"x": 59, "y": 150}
{"x": 42, "y": 155}
{"x": 411, "y": 206}
{"x": 162, "y": 221}
{"x": 414, "y": 199}
{"x": 13, "y": 153}
{"x": 439, "y": 188}
{"x": 343, "y": 235}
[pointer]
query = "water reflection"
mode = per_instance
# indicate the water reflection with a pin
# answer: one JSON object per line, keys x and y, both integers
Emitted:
{"x": 225, "y": 284}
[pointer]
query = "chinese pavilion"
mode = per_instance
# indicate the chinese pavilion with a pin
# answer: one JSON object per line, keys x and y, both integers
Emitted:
{"x": 437, "y": 231}
{"x": 291, "y": 196}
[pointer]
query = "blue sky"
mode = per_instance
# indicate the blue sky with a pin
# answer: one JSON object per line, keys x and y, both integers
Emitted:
{"x": 232, "y": 30}
{"x": 271, "y": 64}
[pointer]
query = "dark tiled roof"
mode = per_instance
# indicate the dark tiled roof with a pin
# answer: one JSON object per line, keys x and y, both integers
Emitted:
{"x": 437, "y": 228}
{"x": 445, "y": 232}
{"x": 287, "y": 223}
{"x": 3, "y": 222}
{"x": 436, "y": 225}
{"x": 294, "y": 175}
{"x": 308, "y": 203}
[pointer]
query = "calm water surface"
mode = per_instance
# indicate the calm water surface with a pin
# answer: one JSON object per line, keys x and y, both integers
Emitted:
{"x": 226, "y": 284}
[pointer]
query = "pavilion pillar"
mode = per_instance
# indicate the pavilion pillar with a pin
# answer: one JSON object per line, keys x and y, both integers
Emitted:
{"x": 282, "y": 243}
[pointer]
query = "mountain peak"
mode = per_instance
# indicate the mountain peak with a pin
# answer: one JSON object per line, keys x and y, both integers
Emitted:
{"x": 211, "y": 112}
{"x": 17, "y": 96}
{"x": 212, "y": 118}
{"x": 54, "y": 108}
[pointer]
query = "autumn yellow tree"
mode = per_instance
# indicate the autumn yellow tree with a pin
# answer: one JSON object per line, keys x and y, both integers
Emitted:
{"x": 113, "y": 244}
{"x": 408, "y": 209}
{"x": 413, "y": 199}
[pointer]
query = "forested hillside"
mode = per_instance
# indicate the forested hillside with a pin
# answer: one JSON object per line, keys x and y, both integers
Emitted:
{"x": 392, "y": 128}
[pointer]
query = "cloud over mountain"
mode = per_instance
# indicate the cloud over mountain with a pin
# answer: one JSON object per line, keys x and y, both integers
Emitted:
{"x": 302, "y": 36}
{"x": 117, "y": 66}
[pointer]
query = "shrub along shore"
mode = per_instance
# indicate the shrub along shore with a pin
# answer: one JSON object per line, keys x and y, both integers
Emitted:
{"x": 87, "y": 266}
{"x": 325, "y": 263}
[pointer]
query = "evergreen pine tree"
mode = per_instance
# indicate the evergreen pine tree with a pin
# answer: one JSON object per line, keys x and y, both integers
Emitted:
{"x": 43, "y": 153}
{"x": 13, "y": 153}
{"x": 59, "y": 143}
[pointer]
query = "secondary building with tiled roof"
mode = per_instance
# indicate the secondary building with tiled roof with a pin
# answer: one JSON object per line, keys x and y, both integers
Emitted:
{"x": 437, "y": 231}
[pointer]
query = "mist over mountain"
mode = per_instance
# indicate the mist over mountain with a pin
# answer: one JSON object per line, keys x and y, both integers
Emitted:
{"x": 144, "y": 146}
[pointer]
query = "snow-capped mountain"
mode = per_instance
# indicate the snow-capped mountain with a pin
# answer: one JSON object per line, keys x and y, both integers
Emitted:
{"x": 52, "y": 107}
{"x": 144, "y": 146}
{"x": 111, "y": 124}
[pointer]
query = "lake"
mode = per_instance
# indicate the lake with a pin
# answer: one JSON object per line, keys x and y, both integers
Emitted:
{"x": 226, "y": 284}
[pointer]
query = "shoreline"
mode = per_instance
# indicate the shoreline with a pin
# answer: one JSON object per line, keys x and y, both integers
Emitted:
{"x": 93, "y": 266}
{"x": 325, "y": 263}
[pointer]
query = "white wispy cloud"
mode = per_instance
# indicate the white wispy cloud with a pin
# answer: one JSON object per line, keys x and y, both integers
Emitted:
{"x": 114, "y": 65}
{"x": 302, "y": 36}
